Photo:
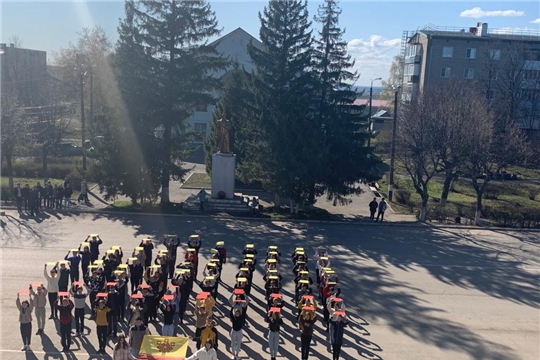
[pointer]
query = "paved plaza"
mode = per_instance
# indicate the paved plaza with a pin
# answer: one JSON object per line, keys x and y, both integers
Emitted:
{"x": 412, "y": 291}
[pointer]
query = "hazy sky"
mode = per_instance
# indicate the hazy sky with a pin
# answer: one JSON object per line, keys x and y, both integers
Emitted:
{"x": 373, "y": 28}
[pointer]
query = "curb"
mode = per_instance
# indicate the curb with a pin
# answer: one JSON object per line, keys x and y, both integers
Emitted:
{"x": 308, "y": 221}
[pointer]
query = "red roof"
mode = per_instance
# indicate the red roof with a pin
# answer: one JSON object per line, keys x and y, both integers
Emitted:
{"x": 374, "y": 103}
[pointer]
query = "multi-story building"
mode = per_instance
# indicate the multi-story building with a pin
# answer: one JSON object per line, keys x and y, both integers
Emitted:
{"x": 233, "y": 46}
{"x": 22, "y": 68}
{"x": 487, "y": 58}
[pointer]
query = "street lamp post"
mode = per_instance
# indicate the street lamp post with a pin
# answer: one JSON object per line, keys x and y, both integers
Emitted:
{"x": 393, "y": 153}
{"x": 80, "y": 63}
{"x": 370, "y": 101}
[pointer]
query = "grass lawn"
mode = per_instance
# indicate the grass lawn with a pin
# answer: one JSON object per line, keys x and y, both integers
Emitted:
{"x": 197, "y": 181}
{"x": 462, "y": 200}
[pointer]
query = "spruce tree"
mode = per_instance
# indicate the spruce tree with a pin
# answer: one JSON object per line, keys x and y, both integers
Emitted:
{"x": 347, "y": 159}
{"x": 178, "y": 63}
{"x": 284, "y": 88}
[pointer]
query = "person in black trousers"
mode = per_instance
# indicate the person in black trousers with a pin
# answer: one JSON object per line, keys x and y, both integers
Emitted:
{"x": 306, "y": 330}
{"x": 25, "y": 195}
{"x": 136, "y": 272}
{"x": 80, "y": 304}
{"x": 172, "y": 242}
{"x": 18, "y": 195}
{"x": 336, "y": 328}
{"x": 74, "y": 262}
{"x": 65, "y": 306}
{"x": 373, "y": 206}
{"x": 102, "y": 324}
{"x": 112, "y": 316}
{"x": 63, "y": 275}
{"x": 94, "y": 241}
{"x": 85, "y": 259}
{"x": 148, "y": 247}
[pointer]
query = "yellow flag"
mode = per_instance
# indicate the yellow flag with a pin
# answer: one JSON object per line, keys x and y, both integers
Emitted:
{"x": 163, "y": 348}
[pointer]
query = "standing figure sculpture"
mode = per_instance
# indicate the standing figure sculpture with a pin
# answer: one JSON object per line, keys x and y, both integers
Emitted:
{"x": 223, "y": 127}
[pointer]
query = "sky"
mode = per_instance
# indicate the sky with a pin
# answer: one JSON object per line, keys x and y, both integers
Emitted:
{"x": 373, "y": 28}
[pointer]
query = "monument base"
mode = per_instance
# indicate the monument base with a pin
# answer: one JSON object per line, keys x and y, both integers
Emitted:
{"x": 223, "y": 174}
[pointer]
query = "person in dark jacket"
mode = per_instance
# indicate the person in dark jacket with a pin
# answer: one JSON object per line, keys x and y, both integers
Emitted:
{"x": 63, "y": 274}
{"x": 274, "y": 320}
{"x": 74, "y": 262}
{"x": 306, "y": 330}
{"x": 85, "y": 259}
{"x": 336, "y": 329}
{"x": 59, "y": 196}
{"x": 172, "y": 242}
{"x": 238, "y": 320}
{"x": 25, "y": 195}
{"x": 33, "y": 198}
{"x": 50, "y": 195}
{"x": 65, "y": 307}
{"x": 168, "y": 309}
{"x": 112, "y": 316}
{"x": 136, "y": 272}
{"x": 94, "y": 241}
{"x": 373, "y": 206}
{"x": 41, "y": 194}
{"x": 18, "y": 195}
{"x": 148, "y": 247}
{"x": 68, "y": 192}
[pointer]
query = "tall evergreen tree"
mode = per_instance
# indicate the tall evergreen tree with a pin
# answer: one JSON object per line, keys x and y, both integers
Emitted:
{"x": 178, "y": 62}
{"x": 346, "y": 157}
{"x": 237, "y": 104}
{"x": 284, "y": 88}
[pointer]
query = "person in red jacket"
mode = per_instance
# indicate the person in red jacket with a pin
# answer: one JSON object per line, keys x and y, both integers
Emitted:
{"x": 65, "y": 307}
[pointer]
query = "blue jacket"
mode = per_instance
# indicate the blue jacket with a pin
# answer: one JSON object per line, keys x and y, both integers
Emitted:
{"x": 74, "y": 262}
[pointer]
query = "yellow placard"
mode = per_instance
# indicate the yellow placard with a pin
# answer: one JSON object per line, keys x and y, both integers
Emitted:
{"x": 85, "y": 244}
{"x": 116, "y": 247}
{"x": 123, "y": 266}
{"x": 52, "y": 263}
{"x": 139, "y": 248}
{"x": 93, "y": 235}
{"x": 220, "y": 243}
{"x": 98, "y": 262}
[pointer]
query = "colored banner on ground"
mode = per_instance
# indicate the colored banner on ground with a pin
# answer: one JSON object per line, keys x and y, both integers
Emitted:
{"x": 163, "y": 348}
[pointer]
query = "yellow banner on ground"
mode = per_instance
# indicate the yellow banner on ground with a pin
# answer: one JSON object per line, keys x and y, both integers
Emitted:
{"x": 163, "y": 348}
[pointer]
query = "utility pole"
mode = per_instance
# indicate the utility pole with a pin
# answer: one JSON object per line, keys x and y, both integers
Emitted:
{"x": 393, "y": 154}
{"x": 369, "y": 117}
{"x": 91, "y": 96}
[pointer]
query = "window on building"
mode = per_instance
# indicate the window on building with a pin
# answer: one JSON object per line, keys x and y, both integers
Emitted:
{"x": 471, "y": 53}
{"x": 200, "y": 128}
{"x": 490, "y": 94}
{"x": 468, "y": 73}
{"x": 409, "y": 69}
{"x": 411, "y": 51}
{"x": 495, "y": 54}
{"x": 445, "y": 72}
{"x": 448, "y": 51}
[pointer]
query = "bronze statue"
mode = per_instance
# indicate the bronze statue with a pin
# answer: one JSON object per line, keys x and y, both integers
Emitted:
{"x": 223, "y": 127}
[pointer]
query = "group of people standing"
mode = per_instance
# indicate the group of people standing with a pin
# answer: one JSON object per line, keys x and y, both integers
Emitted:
{"x": 160, "y": 291}
{"x": 50, "y": 196}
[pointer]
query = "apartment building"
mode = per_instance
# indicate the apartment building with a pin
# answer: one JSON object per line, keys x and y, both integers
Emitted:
{"x": 487, "y": 58}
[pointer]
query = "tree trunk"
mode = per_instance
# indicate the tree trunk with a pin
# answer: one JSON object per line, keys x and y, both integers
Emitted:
{"x": 446, "y": 187}
{"x": 277, "y": 201}
{"x": 478, "y": 212}
{"x": 165, "y": 175}
{"x": 292, "y": 205}
{"x": 423, "y": 209}
{"x": 45, "y": 163}
{"x": 9, "y": 166}
{"x": 311, "y": 198}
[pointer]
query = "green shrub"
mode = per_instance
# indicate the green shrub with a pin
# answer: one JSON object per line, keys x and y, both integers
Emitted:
{"x": 403, "y": 197}
{"x": 438, "y": 213}
{"x": 5, "y": 194}
{"x": 35, "y": 170}
{"x": 511, "y": 216}
{"x": 533, "y": 193}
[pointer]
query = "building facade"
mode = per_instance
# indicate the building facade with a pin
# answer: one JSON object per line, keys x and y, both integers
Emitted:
{"x": 489, "y": 59}
{"x": 22, "y": 68}
{"x": 233, "y": 46}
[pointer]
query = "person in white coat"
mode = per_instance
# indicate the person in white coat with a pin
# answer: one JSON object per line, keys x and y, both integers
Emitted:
{"x": 205, "y": 353}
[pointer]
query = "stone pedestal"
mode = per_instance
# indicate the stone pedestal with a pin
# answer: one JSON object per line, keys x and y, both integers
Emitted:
{"x": 223, "y": 174}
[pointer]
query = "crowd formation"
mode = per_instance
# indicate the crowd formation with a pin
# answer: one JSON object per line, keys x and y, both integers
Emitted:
{"x": 147, "y": 287}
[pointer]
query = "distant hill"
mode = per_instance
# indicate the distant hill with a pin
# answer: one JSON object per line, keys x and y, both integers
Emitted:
{"x": 376, "y": 91}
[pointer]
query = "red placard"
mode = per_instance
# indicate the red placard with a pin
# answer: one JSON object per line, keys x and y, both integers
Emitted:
{"x": 239, "y": 301}
{"x": 136, "y": 296}
{"x": 238, "y": 291}
{"x": 276, "y": 296}
{"x": 310, "y": 297}
{"x": 203, "y": 295}
{"x": 341, "y": 313}
{"x": 24, "y": 292}
{"x": 63, "y": 293}
{"x": 308, "y": 308}
{"x": 275, "y": 309}
{"x": 173, "y": 286}
{"x": 168, "y": 297}
{"x": 144, "y": 286}
{"x": 111, "y": 283}
{"x": 337, "y": 299}
{"x": 102, "y": 295}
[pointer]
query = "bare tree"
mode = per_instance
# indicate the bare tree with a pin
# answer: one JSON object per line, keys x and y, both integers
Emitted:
{"x": 417, "y": 136}
{"x": 15, "y": 40}
{"x": 13, "y": 127}
{"x": 49, "y": 121}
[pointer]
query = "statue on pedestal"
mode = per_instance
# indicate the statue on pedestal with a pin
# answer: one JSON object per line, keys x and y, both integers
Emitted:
{"x": 223, "y": 127}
